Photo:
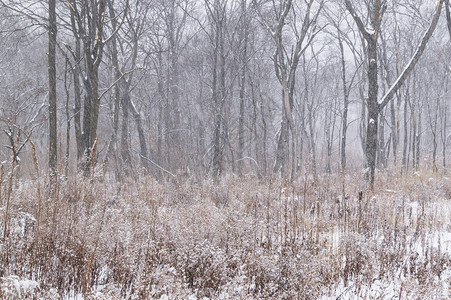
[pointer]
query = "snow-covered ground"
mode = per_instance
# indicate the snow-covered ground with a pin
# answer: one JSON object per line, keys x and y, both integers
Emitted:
{"x": 232, "y": 240}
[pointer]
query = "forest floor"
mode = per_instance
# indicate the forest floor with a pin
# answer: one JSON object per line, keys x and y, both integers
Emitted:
{"x": 239, "y": 238}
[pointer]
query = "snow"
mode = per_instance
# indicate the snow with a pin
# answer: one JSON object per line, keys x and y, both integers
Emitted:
{"x": 12, "y": 286}
{"x": 370, "y": 31}
{"x": 394, "y": 288}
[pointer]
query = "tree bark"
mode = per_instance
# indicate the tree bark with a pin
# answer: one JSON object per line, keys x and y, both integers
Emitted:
{"x": 52, "y": 31}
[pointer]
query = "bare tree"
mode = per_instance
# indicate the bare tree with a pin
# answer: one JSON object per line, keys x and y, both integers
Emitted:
{"x": 88, "y": 20}
{"x": 285, "y": 64}
{"x": 217, "y": 13}
{"x": 344, "y": 38}
{"x": 53, "y": 142}
{"x": 125, "y": 43}
{"x": 243, "y": 56}
{"x": 376, "y": 13}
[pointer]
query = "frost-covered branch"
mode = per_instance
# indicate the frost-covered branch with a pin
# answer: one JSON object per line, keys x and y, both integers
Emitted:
{"x": 415, "y": 58}
{"x": 448, "y": 16}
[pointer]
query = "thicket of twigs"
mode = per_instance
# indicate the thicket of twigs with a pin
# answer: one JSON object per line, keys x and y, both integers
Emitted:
{"x": 236, "y": 238}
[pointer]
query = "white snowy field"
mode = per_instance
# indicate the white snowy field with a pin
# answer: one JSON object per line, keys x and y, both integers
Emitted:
{"x": 234, "y": 239}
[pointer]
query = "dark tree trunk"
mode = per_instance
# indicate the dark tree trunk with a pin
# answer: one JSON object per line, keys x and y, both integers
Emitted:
{"x": 77, "y": 91}
{"x": 125, "y": 134}
{"x": 52, "y": 89}
{"x": 373, "y": 108}
{"x": 68, "y": 121}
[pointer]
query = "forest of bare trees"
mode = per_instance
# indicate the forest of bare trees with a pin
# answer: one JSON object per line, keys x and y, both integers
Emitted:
{"x": 214, "y": 87}
{"x": 320, "y": 100}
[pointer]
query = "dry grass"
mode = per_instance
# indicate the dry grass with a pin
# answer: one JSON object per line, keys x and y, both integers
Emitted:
{"x": 238, "y": 238}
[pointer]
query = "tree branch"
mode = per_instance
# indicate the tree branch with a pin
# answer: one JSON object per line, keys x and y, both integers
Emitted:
{"x": 448, "y": 16}
{"x": 358, "y": 21}
{"x": 415, "y": 58}
{"x": 116, "y": 81}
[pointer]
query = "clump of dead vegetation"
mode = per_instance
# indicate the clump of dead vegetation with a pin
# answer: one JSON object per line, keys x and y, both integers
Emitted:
{"x": 236, "y": 238}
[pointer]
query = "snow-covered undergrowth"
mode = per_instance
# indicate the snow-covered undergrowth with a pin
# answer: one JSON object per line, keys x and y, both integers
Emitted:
{"x": 15, "y": 288}
{"x": 235, "y": 239}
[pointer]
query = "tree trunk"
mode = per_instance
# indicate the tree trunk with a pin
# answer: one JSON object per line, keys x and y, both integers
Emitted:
{"x": 285, "y": 69}
{"x": 444, "y": 133}
{"x": 373, "y": 109}
{"x": 282, "y": 148}
{"x": 52, "y": 89}
{"x": 394, "y": 130}
{"x": 141, "y": 136}
{"x": 113, "y": 139}
{"x": 77, "y": 91}
{"x": 448, "y": 16}
{"x": 381, "y": 157}
{"x": 218, "y": 91}
{"x": 312, "y": 136}
{"x": 242, "y": 84}
{"x": 88, "y": 25}
{"x": 444, "y": 124}
{"x": 406, "y": 136}
{"x": 116, "y": 78}
{"x": 68, "y": 120}
{"x": 414, "y": 126}
{"x": 418, "y": 140}
{"x": 125, "y": 134}
{"x": 344, "y": 120}
{"x": 432, "y": 114}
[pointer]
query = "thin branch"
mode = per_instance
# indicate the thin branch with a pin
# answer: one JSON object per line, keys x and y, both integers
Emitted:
{"x": 116, "y": 81}
{"x": 120, "y": 24}
{"x": 155, "y": 164}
